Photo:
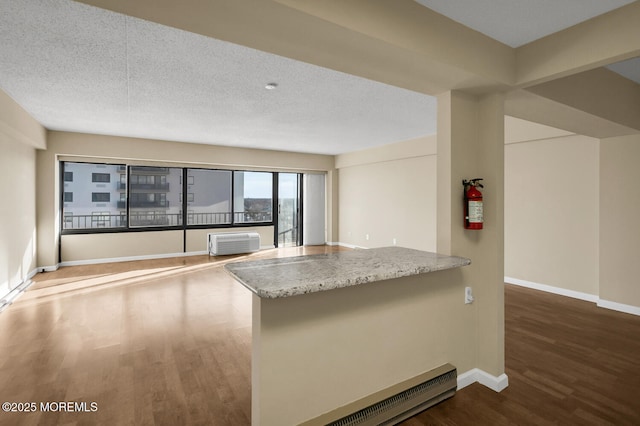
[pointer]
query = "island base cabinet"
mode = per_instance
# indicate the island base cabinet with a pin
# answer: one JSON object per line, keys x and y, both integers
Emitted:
{"x": 316, "y": 352}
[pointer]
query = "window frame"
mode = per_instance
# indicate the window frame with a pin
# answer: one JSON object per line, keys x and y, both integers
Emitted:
{"x": 184, "y": 200}
{"x": 68, "y": 212}
{"x": 274, "y": 195}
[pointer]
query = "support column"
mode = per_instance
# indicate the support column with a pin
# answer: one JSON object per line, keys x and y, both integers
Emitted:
{"x": 471, "y": 145}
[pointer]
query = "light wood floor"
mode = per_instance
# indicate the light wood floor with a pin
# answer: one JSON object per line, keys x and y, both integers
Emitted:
{"x": 167, "y": 342}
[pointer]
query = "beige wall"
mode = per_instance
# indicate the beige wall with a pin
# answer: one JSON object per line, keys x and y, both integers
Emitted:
{"x": 86, "y": 147}
{"x": 116, "y": 246}
{"x": 20, "y": 135}
{"x": 197, "y": 238}
{"x": 470, "y": 144}
{"x": 17, "y": 210}
{"x": 306, "y": 362}
{"x": 551, "y": 207}
{"x": 619, "y": 223}
{"x": 389, "y": 193}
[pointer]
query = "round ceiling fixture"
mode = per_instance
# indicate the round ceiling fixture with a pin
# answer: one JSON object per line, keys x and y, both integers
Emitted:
{"x": 271, "y": 86}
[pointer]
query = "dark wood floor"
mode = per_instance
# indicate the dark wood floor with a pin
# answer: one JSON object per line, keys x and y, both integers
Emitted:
{"x": 167, "y": 342}
{"x": 568, "y": 361}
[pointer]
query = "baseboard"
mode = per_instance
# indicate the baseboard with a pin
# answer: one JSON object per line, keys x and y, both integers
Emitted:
{"x": 143, "y": 257}
{"x": 620, "y": 307}
{"x": 48, "y": 268}
{"x": 601, "y": 303}
{"x": 130, "y": 258}
{"x": 497, "y": 384}
{"x": 351, "y": 246}
{"x": 551, "y": 289}
{"x": 10, "y": 297}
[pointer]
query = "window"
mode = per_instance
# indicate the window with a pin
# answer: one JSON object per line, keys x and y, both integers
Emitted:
{"x": 82, "y": 215}
{"x": 154, "y": 196}
{"x": 100, "y": 197}
{"x": 252, "y": 197}
{"x": 100, "y": 177}
{"x": 104, "y": 197}
{"x": 213, "y": 189}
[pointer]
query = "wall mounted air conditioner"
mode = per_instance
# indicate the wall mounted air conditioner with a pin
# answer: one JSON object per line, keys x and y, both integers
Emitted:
{"x": 233, "y": 243}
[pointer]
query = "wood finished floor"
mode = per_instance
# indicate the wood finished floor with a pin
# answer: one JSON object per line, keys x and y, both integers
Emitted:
{"x": 168, "y": 342}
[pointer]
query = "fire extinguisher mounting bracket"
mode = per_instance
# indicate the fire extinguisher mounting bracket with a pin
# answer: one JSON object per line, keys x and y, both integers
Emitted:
{"x": 472, "y": 182}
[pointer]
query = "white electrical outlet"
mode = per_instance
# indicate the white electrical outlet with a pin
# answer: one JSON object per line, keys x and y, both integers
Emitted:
{"x": 394, "y": 241}
{"x": 468, "y": 295}
{"x": 366, "y": 237}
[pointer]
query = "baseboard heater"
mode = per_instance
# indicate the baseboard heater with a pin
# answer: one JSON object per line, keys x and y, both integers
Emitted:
{"x": 233, "y": 243}
{"x": 397, "y": 403}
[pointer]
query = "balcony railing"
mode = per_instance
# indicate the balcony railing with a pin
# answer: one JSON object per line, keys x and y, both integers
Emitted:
{"x": 209, "y": 218}
{"x": 144, "y": 219}
{"x": 94, "y": 221}
{"x": 138, "y": 220}
{"x": 249, "y": 217}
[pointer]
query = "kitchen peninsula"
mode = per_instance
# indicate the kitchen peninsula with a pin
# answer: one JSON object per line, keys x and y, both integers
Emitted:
{"x": 332, "y": 328}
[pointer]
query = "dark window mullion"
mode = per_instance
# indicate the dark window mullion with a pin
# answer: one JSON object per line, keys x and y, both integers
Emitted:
{"x": 233, "y": 198}
{"x": 184, "y": 209}
{"x": 128, "y": 197}
{"x": 275, "y": 211}
{"x": 300, "y": 209}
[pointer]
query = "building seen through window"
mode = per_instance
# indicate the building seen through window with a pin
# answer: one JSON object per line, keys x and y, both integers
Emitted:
{"x": 91, "y": 194}
{"x": 116, "y": 196}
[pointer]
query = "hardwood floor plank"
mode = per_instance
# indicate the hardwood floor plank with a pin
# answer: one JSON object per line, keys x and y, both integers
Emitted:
{"x": 568, "y": 363}
{"x": 168, "y": 341}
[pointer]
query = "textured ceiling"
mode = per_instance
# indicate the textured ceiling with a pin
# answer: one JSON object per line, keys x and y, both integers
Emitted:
{"x": 83, "y": 69}
{"x": 78, "y": 68}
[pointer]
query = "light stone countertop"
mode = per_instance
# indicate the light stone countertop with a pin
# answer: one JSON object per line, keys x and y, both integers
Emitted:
{"x": 291, "y": 276}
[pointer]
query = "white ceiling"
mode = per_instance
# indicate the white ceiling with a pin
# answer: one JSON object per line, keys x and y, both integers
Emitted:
{"x": 629, "y": 69}
{"x": 78, "y": 68}
{"x": 518, "y": 22}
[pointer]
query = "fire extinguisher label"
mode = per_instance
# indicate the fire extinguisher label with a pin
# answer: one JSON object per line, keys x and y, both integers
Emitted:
{"x": 475, "y": 212}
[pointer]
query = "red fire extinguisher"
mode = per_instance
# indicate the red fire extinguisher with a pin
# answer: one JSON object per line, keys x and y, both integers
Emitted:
{"x": 473, "y": 211}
